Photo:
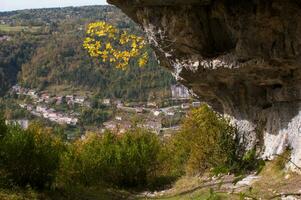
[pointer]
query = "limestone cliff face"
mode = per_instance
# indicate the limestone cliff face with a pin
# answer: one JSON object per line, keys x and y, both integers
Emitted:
{"x": 240, "y": 56}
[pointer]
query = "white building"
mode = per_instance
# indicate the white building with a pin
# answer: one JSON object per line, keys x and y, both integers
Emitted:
{"x": 156, "y": 113}
{"x": 79, "y": 100}
{"x": 118, "y": 118}
{"x": 41, "y": 109}
{"x": 23, "y": 123}
{"x": 69, "y": 98}
{"x": 185, "y": 106}
{"x": 106, "y": 101}
{"x": 170, "y": 113}
{"x": 196, "y": 104}
{"x": 179, "y": 91}
{"x": 151, "y": 104}
{"x": 32, "y": 93}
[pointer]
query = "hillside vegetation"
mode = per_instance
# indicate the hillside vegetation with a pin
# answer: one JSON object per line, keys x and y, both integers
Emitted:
{"x": 201, "y": 161}
{"x": 45, "y": 49}
{"x": 135, "y": 161}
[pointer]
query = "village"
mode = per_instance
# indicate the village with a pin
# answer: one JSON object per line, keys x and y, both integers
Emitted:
{"x": 151, "y": 116}
{"x": 39, "y": 107}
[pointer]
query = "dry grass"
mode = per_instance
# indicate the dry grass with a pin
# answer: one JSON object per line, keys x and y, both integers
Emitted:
{"x": 274, "y": 180}
{"x": 76, "y": 193}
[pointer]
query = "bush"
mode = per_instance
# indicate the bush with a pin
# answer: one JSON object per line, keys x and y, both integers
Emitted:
{"x": 30, "y": 157}
{"x": 129, "y": 160}
{"x": 205, "y": 141}
{"x": 139, "y": 152}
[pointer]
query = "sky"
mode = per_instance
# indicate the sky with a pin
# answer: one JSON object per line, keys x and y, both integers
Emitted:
{"x": 8, "y": 5}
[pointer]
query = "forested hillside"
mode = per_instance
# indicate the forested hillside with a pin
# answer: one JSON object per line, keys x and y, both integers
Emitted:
{"x": 46, "y": 44}
{"x": 12, "y": 55}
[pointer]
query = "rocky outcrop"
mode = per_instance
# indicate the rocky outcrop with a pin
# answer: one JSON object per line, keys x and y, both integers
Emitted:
{"x": 242, "y": 57}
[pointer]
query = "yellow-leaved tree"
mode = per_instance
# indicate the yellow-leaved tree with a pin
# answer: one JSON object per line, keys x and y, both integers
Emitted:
{"x": 115, "y": 46}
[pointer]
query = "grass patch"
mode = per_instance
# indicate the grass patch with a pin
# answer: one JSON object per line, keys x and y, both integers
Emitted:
{"x": 275, "y": 179}
{"x": 62, "y": 90}
{"x": 76, "y": 193}
{"x": 7, "y": 28}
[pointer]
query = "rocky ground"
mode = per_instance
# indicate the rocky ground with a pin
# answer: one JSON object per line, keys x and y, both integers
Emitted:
{"x": 273, "y": 182}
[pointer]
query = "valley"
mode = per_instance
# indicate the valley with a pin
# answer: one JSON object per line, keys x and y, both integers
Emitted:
{"x": 90, "y": 113}
{"x": 151, "y": 99}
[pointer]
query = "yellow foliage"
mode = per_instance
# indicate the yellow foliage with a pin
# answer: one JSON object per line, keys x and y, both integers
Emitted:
{"x": 115, "y": 46}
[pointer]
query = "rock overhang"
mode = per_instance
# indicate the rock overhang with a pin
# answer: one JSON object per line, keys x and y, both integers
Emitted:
{"x": 242, "y": 57}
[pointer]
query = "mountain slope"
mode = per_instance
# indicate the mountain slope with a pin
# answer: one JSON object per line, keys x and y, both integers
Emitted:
{"x": 57, "y": 60}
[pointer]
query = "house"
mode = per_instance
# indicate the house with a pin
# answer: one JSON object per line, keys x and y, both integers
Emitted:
{"x": 139, "y": 110}
{"x": 41, "y": 109}
{"x": 40, "y": 100}
{"x": 110, "y": 125}
{"x": 106, "y": 101}
{"x": 52, "y": 115}
{"x": 69, "y": 98}
{"x": 71, "y": 121}
{"x": 70, "y": 102}
{"x": 74, "y": 121}
{"x": 45, "y": 115}
{"x": 152, "y": 126}
{"x": 32, "y": 93}
{"x": 79, "y": 100}
{"x": 45, "y": 97}
{"x": 185, "y": 106}
{"x": 196, "y": 104}
{"x": 36, "y": 114}
{"x": 29, "y": 107}
{"x": 122, "y": 128}
{"x": 179, "y": 91}
{"x": 16, "y": 88}
{"x": 151, "y": 104}
{"x": 23, "y": 123}
{"x": 5, "y": 38}
{"x": 22, "y": 105}
{"x": 118, "y": 118}
{"x": 59, "y": 100}
{"x": 170, "y": 113}
{"x": 156, "y": 113}
{"x": 51, "y": 110}
{"x": 118, "y": 103}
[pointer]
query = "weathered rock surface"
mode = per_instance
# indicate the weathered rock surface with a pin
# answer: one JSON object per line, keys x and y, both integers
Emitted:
{"x": 242, "y": 57}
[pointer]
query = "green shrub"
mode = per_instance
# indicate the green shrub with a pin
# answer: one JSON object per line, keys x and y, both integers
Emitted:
{"x": 128, "y": 160}
{"x": 138, "y": 154}
{"x": 207, "y": 141}
{"x": 250, "y": 162}
{"x": 30, "y": 157}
